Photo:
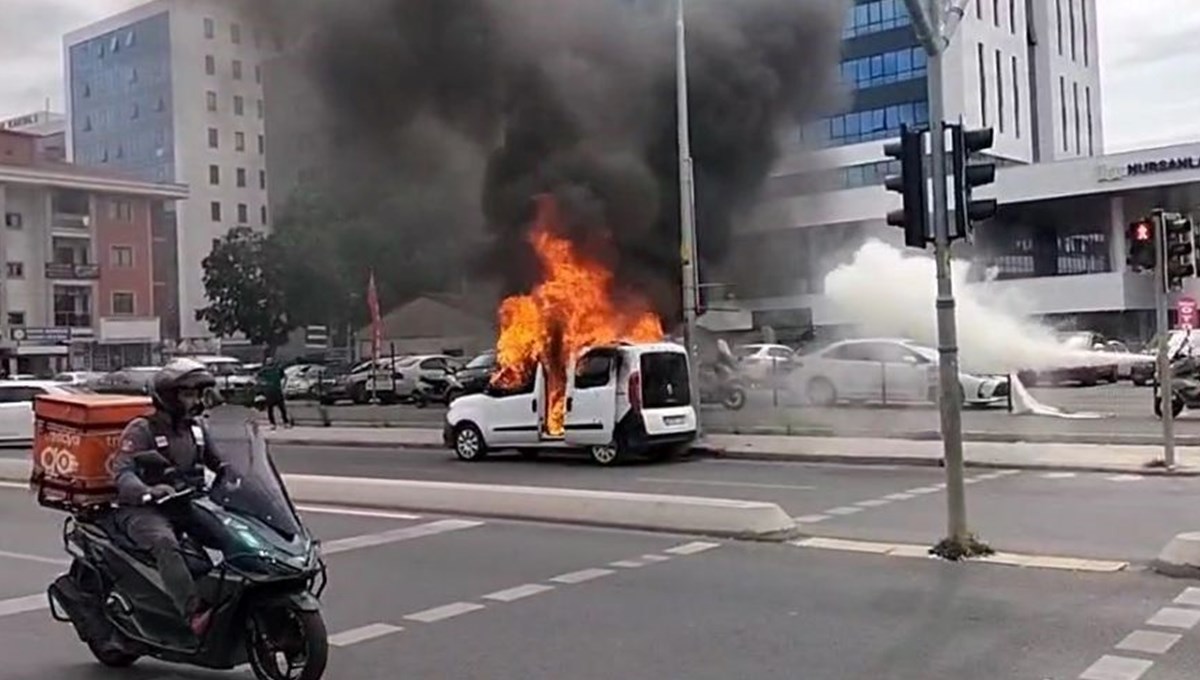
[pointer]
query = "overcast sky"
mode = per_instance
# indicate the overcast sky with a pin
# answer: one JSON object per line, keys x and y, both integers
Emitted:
{"x": 1150, "y": 61}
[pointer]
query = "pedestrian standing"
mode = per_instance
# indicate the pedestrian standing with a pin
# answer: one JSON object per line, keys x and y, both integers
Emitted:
{"x": 271, "y": 378}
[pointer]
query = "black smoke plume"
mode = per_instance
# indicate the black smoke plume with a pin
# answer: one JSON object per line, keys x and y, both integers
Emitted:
{"x": 576, "y": 98}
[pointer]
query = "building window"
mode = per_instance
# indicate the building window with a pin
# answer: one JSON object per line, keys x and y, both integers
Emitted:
{"x": 1012, "y": 16}
{"x": 1062, "y": 106}
{"x": 1016, "y": 81}
{"x": 979, "y": 9}
{"x": 262, "y": 213}
{"x": 1083, "y": 27}
{"x": 214, "y": 175}
{"x": 241, "y": 177}
{"x": 258, "y": 74}
{"x": 881, "y": 69}
{"x": 235, "y": 33}
{"x": 122, "y": 257}
{"x": 239, "y": 105}
{"x": 210, "y": 28}
{"x": 262, "y": 145}
{"x": 1000, "y": 90}
{"x": 133, "y": 75}
{"x": 87, "y": 123}
{"x": 996, "y": 13}
{"x": 214, "y": 138}
{"x": 120, "y": 211}
{"x": 136, "y": 112}
{"x": 1058, "y": 15}
{"x": 13, "y": 220}
{"x": 243, "y": 213}
{"x": 1091, "y": 139}
{"x": 16, "y": 270}
{"x": 872, "y": 17}
{"x": 983, "y": 98}
{"x": 210, "y": 98}
{"x": 262, "y": 178}
{"x": 237, "y": 69}
{"x": 215, "y": 210}
{"x": 1071, "y": 18}
{"x": 16, "y": 319}
{"x": 874, "y": 124}
{"x": 210, "y": 65}
{"x": 239, "y": 141}
{"x": 262, "y": 109}
{"x": 161, "y": 105}
{"x": 122, "y": 304}
{"x": 1078, "y": 127}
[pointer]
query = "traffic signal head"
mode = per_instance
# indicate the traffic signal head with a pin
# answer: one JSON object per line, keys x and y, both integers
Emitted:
{"x": 1139, "y": 239}
{"x": 910, "y": 184}
{"x": 1180, "y": 248}
{"x": 968, "y": 176}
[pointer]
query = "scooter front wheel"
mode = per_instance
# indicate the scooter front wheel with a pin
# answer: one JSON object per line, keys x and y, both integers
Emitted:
{"x": 287, "y": 644}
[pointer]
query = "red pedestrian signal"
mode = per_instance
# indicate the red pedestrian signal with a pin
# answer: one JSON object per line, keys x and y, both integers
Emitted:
{"x": 1143, "y": 231}
{"x": 1141, "y": 255}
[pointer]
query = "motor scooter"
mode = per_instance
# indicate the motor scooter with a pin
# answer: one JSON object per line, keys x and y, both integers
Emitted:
{"x": 1185, "y": 385}
{"x": 263, "y": 580}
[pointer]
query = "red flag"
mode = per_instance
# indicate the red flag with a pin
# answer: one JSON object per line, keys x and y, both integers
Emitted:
{"x": 376, "y": 321}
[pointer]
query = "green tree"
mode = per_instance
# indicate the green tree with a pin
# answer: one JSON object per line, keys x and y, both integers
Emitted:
{"x": 244, "y": 280}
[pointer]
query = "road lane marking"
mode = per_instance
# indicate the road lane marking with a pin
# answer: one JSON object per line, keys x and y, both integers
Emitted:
{"x": 1060, "y": 475}
{"x": 651, "y": 558}
{"x": 581, "y": 576}
{"x": 1189, "y": 596}
{"x": 395, "y": 535}
{"x": 923, "y": 490}
{"x": 355, "y": 512}
{"x": 1125, "y": 478}
{"x": 14, "y": 485}
{"x": 21, "y": 605}
{"x": 712, "y": 482}
{"x": 873, "y": 503}
{"x": 692, "y": 548}
{"x": 362, "y": 634}
{"x": 810, "y": 519}
{"x": 444, "y": 612}
{"x": 520, "y": 592}
{"x": 627, "y": 564}
{"x": 1149, "y": 642}
{"x": 844, "y": 510}
{"x": 899, "y": 496}
{"x": 1110, "y": 667}
{"x": 34, "y": 558}
{"x": 1173, "y": 617}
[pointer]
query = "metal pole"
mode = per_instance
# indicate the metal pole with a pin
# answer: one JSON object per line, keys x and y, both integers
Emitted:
{"x": 951, "y": 406}
{"x": 687, "y": 203}
{"x": 1161, "y": 288}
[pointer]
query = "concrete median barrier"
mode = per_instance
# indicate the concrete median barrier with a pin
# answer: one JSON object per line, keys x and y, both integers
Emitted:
{"x": 683, "y": 514}
{"x": 14, "y": 470}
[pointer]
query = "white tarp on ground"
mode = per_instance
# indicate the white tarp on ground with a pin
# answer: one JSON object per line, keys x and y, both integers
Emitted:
{"x": 1024, "y": 404}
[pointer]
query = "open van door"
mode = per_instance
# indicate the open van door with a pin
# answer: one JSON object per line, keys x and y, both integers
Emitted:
{"x": 592, "y": 398}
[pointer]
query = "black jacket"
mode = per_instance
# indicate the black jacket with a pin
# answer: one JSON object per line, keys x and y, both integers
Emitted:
{"x": 185, "y": 443}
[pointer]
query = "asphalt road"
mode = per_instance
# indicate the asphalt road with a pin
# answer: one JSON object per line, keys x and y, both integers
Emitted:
{"x": 1127, "y": 410}
{"x": 501, "y": 601}
{"x": 1126, "y": 517}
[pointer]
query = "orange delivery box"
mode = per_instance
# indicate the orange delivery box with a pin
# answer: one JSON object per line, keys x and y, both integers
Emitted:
{"x": 75, "y": 439}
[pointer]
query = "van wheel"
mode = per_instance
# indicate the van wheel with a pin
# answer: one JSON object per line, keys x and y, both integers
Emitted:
{"x": 607, "y": 455}
{"x": 468, "y": 443}
{"x": 821, "y": 392}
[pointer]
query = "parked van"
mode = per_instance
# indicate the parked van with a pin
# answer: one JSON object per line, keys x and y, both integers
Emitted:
{"x": 621, "y": 400}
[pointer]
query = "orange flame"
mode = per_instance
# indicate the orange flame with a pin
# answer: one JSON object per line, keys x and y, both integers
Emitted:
{"x": 571, "y": 309}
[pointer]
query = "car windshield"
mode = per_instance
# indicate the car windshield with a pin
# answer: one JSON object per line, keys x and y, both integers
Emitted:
{"x": 486, "y": 360}
{"x": 1076, "y": 340}
{"x": 255, "y": 488}
{"x": 925, "y": 352}
{"x": 746, "y": 351}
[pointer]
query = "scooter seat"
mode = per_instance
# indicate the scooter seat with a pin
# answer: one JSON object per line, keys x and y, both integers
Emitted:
{"x": 193, "y": 554}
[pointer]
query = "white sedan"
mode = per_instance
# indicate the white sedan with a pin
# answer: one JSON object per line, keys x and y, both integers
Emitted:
{"x": 16, "y": 406}
{"x": 884, "y": 370}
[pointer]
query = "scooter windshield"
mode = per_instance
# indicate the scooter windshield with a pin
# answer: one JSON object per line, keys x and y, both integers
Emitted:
{"x": 252, "y": 485}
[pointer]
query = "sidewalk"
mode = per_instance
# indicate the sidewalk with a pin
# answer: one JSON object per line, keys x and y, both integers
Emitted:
{"x": 860, "y": 451}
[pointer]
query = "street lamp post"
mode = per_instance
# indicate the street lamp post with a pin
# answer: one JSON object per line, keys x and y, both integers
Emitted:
{"x": 687, "y": 202}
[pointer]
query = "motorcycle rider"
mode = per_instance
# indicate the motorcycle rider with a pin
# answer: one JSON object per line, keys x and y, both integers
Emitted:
{"x": 176, "y": 432}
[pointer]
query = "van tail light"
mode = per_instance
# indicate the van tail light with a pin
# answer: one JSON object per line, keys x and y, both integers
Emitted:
{"x": 635, "y": 391}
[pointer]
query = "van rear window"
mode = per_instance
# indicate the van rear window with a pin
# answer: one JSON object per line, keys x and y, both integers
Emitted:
{"x": 665, "y": 380}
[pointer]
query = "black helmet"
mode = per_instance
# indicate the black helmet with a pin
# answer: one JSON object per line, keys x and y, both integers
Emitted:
{"x": 180, "y": 374}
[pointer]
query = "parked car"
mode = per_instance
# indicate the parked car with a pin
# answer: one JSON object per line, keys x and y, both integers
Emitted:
{"x": 478, "y": 372}
{"x": 1086, "y": 376}
{"x": 621, "y": 400}
{"x": 235, "y": 380}
{"x": 16, "y": 406}
{"x": 884, "y": 370}
{"x": 132, "y": 380}
{"x": 78, "y": 378}
{"x": 761, "y": 362}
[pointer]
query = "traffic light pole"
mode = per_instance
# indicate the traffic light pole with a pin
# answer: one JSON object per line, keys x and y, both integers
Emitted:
{"x": 1161, "y": 291}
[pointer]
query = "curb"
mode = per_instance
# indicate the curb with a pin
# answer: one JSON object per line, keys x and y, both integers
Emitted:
{"x": 679, "y": 514}
{"x": 1076, "y": 564}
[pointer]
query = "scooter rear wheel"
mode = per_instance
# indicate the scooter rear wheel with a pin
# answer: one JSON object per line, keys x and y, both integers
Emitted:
{"x": 307, "y": 653}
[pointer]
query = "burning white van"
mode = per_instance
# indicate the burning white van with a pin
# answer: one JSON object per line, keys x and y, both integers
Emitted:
{"x": 619, "y": 400}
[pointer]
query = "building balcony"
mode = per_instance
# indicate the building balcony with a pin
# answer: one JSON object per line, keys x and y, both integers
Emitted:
{"x": 75, "y": 321}
{"x": 72, "y": 271}
{"x": 70, "y": 221}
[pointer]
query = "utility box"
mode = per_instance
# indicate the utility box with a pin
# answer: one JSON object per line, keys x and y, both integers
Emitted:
{"x": 75, "y": 439}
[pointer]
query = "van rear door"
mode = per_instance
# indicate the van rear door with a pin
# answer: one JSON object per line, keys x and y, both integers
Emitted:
{"x": 592, "y": 398}
{"x": 665, "y": 398}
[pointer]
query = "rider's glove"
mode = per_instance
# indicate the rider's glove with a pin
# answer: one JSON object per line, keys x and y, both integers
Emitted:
{"x": 161, "y": 491}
